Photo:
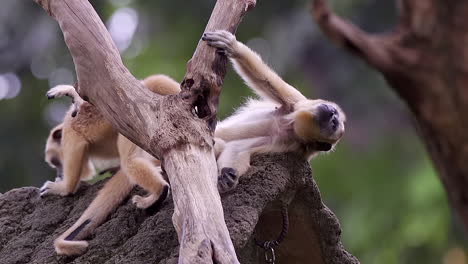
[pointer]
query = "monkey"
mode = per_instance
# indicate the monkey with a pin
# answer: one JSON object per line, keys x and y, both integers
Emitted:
{"x": 89, "y": 136}
{"x": 281, "y": 120}
{"x": 137, "y": 167}
{"x": 135, "y": 162}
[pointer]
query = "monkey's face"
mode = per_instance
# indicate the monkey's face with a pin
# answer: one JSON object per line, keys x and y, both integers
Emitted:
{"x": 53, "y": 151}
{"x": 319, "y": 121}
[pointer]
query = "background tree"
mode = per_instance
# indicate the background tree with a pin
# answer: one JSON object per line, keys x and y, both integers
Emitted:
{"x": 422, "y": 60}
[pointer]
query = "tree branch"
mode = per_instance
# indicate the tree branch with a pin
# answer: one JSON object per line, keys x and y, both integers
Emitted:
{"x": 177, "y": 129}
{"x": 380, "y": 51}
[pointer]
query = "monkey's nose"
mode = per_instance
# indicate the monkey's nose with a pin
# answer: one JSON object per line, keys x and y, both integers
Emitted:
{"x": 334, "y": 122}
{"x": 326, "y": 112}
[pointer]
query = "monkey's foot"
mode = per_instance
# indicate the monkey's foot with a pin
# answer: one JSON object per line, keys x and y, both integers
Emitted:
{"x": 224, "y": 42}
{"x": 67, "y": 90}
{"x": 70, "y": 248}
{"x": 144, "y": 202}
{"x": 50, "y": 187}
{"x": 61, "y": 91}
{"x": 153, "y": 208}
{"x": 228, "y": 180}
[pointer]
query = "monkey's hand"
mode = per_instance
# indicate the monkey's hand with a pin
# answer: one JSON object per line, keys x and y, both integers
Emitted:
{"x": 224, "y": 42}
{"x": 67, "y": 90}
{"x": 50, "y": 187}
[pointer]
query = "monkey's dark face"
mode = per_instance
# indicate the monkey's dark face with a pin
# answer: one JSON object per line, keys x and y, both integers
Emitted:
{"x": 321, "y": 122}
{"x": 330, "y": 120}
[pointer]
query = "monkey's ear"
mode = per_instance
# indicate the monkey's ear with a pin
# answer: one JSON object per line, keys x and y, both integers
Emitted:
{"x": 323, "y": 146}
{"x": 57, "y": 135}
{"x": 305, "y": 126}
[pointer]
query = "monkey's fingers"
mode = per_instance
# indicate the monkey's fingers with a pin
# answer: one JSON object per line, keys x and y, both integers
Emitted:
{"x": 224, "y": 42}
{"x": 220, "y": 35}
{"x": 43, "y": 191}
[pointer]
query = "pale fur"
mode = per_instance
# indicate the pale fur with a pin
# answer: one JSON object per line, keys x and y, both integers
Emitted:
{"x": 89, "y": 136}
{"x": 282, "y": 120}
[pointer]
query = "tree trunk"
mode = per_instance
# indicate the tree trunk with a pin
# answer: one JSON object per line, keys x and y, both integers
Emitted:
{"x": 425, "y": 60}
{"x": 29, "y": 224}
{"x": 177, "y": 129}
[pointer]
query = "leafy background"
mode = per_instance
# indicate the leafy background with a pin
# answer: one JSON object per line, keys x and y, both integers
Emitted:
{"x": 379, "y": 181}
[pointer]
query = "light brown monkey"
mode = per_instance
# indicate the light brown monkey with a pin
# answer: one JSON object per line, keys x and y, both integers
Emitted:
{"x": 89, "y": 136}
{"x": 282, "y": 120}
{"x": 135, "y": 163}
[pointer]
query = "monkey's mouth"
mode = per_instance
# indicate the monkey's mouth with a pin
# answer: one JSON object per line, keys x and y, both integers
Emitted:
{"x": 323, "y": 146}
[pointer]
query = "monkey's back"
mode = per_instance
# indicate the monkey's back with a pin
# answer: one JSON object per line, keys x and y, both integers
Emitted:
{"x": 92, "y": 126}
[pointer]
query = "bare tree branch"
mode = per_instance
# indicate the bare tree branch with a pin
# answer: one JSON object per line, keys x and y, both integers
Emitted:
{"x": 177, "y": 129}
{"x": 379, "y": 51}
{"x": 347, "y": 35}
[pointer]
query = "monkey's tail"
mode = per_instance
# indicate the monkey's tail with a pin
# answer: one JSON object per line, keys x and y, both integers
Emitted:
{"x": 108, "y": 198}
{"x": 161, "y": 84}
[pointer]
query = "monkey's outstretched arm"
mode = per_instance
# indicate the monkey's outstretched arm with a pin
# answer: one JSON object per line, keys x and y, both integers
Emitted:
{"x": 261, "y": 78}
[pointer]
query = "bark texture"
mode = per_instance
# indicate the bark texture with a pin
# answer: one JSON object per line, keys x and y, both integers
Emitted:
{"x": 425, "y": 60}
{"x": 29, "y": 224}
{"x": 176, "y": 129}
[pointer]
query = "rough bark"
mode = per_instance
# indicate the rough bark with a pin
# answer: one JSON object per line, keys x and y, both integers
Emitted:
{"x": 425, "y": 60}
{"x": 177, "y": 129}
{"x": 29, "y": 224}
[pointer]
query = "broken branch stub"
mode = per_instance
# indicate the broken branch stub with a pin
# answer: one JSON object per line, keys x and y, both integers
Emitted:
{"x": 177, "y": 129}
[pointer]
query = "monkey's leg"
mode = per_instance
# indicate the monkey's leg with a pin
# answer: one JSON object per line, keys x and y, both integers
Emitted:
{"x": 219, "y": 146}
{"x": 75, "y": 153}
{"x": 234, "y": 161}
{"x": 87, "y": 171}
{"x": 141, "y": 171}
{"x": 232, "y": 130}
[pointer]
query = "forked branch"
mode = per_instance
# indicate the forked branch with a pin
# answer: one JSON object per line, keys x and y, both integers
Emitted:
{"x": 177, "y": 129}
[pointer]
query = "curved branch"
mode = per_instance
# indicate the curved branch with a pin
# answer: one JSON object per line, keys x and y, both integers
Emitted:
{"x": 381, "y": 51}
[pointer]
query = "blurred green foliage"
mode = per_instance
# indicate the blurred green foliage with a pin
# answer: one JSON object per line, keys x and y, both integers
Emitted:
{"x": 379, "y": 181}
